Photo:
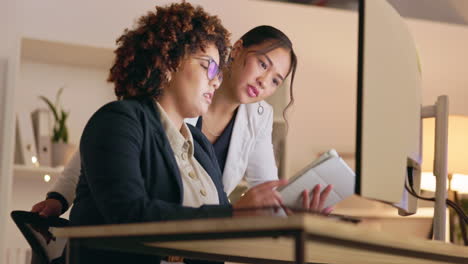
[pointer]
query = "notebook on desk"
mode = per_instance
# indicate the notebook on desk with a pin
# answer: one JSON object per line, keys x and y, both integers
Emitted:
{"x": 329, "y": 168}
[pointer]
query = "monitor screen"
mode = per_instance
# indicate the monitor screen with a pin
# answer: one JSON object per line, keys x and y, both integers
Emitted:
{"x": 388, "y": 123}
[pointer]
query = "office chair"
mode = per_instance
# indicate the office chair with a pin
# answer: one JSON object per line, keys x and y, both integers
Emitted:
{"x": 46, "y": 249}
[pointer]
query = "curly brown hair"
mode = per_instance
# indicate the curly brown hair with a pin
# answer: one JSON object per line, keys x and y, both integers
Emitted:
{"x": 157, "y": 45}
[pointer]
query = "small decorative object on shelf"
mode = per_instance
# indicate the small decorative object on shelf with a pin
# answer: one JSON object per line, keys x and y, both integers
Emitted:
{"x": 61, "y": 149}
{"x": 25, "y": 152}
{"x": 41, "y": 125}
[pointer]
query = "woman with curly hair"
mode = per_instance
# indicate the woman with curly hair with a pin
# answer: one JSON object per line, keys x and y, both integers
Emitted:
{"x": 139, "y": 161}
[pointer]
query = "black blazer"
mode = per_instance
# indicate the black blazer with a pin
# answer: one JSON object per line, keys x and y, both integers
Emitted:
{"x": 129, "y": 174}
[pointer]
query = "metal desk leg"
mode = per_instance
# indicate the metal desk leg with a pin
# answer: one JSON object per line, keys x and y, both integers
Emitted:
{"x": 73, "y": 253}
{"x": 299, "y": 242}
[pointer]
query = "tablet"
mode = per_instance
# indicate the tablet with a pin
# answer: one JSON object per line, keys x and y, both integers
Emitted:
{"x": 329, "y": 168}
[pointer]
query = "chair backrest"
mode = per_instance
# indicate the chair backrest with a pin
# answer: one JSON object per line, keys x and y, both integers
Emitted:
{"x": 45, "y": 247}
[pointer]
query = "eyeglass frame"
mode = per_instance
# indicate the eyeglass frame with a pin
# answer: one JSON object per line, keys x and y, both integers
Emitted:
{"x": 218, "y": 74}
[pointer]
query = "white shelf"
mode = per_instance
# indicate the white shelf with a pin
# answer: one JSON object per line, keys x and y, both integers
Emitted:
{"x": 36, "y": 172}
{"x": 66, "y": 53}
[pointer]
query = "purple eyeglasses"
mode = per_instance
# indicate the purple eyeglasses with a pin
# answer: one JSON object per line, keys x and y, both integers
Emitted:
{"x": 212, "y": 70}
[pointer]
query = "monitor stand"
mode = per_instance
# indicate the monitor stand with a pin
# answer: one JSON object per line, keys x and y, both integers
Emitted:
{"x": 440, "y": 111}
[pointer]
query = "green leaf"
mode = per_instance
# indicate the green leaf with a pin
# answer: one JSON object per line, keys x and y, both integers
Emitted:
{"x": 57, "y": 98}
{"x": 51, "y": 106}
{"x": 63, "y": 131}
{"x": 65, "y": 135}
{"x": 55, "y": 136}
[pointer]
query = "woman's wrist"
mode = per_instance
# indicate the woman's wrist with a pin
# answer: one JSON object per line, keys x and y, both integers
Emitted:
{"x": 59, "y": 197}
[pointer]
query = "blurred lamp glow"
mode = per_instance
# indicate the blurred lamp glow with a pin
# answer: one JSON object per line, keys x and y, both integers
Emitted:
{"x": 457, "y": 153}
{"x": 459, "y": 182}
{"x": 46, "y": 178}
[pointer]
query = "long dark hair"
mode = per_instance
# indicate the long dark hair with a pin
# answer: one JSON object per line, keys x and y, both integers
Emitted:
{"x": 261, "y": 34}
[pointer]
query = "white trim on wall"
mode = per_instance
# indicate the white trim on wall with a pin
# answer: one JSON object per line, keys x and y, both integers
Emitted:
{"x": 4, "y": 186}
{"x": 9, "y": 68}
{"x": 7, "y": 80}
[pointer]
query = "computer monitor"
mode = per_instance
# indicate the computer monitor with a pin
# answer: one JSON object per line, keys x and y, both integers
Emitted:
{"x": 388, "y": 128}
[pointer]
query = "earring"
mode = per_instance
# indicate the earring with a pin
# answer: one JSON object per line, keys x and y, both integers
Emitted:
{"x": 260, "y": 109}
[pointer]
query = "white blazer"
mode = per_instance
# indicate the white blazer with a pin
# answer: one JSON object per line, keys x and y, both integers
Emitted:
{"x": 250, "y": 153}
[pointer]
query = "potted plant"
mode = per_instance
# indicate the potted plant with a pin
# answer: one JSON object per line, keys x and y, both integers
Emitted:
{"x": 61, "y": 149}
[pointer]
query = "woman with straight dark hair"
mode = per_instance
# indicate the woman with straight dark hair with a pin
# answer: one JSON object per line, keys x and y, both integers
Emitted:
{"x": 239, "y": 122}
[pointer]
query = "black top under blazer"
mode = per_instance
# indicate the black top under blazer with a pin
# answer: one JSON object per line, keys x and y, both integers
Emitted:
{"x": 129, "y": 174}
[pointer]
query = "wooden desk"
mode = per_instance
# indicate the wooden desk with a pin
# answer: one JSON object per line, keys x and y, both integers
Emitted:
{"x": 299, "y": 238}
